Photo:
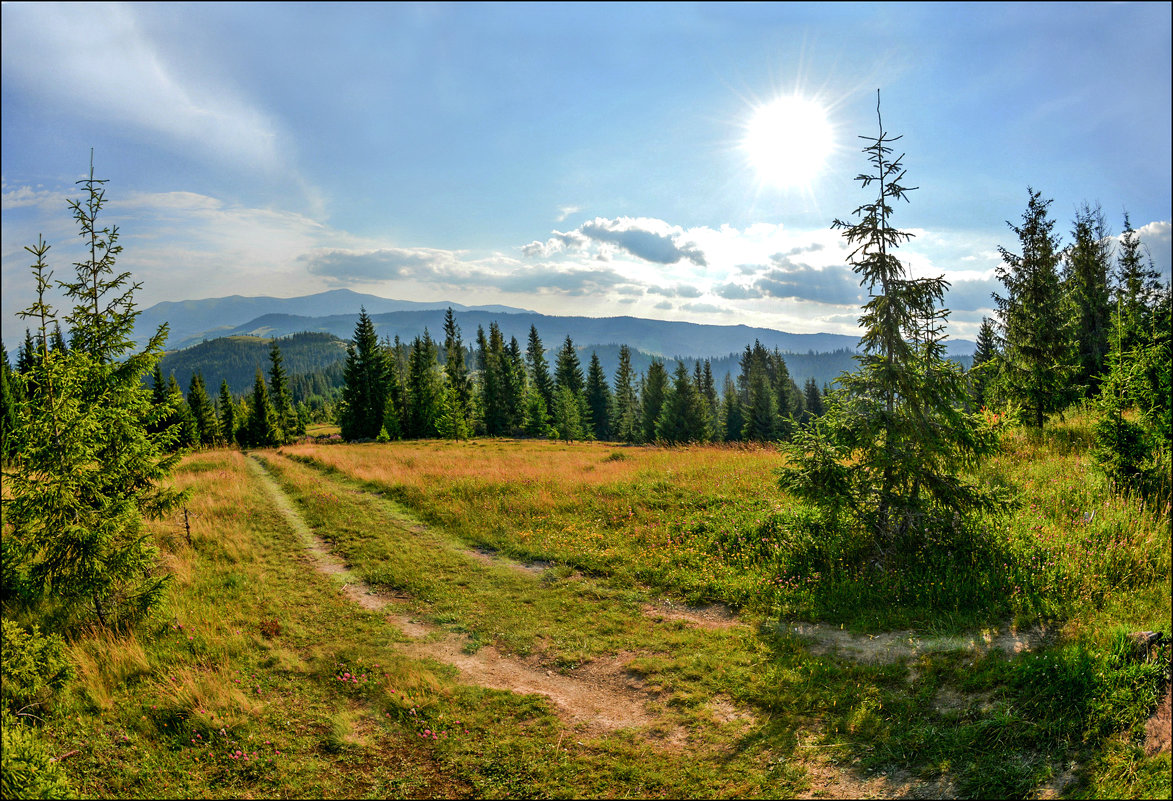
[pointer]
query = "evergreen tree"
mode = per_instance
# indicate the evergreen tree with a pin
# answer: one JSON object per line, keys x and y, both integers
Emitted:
{"x": 364, "y": 393}
{"x": 1136, "y": 292}
{"x": 567, "y": 415}
{"x": 425, "y": 389}
{"x": 1037, "y": 363}
{"x": 455, "y": 368}
{"x": 981, "y": 370}
{"x": 228, "y": 418}
{"x": 8, "y": 401}
{"x": 891, "y": 446}
{"x": 684, "y": 416}
{"x": 285, "y": 416}
{"x": 627, "y": 421}
{"x": 496, "y": 385}
{"x": 568, "y": 374}
{"x": 761, "y": 410}
{"x": 207, "y": 427}
{"x": 813, "y": 399}
{"x": 598, "y": 397}
{"x": 57, "y": 343}
{"x": 537, "y": 421}
{"x": 539, "y": 372}
{"x": 1087, "y": 267}
{"x": 184, "y": 420}
{"x": 451, "y": 423}
{"x": 26, "y": 354}
{"x": 259, "y": 429}
{"x": 89, "y": 471}
{"x": 732, "y": 412}
{"x": 654, "y": 389}
{"x": 515, "y": 381}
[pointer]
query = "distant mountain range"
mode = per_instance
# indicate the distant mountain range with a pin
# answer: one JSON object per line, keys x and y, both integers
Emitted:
{"x": 336, "y": 312}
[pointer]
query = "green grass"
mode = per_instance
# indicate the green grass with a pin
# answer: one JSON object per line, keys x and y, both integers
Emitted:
{"x": 247, "y": 651}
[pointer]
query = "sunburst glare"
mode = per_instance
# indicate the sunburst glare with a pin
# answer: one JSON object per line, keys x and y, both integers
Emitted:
{"x": 787, "y": 141}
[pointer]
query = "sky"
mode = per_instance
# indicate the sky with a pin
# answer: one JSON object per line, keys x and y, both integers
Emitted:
{"x": 587, "y": 159}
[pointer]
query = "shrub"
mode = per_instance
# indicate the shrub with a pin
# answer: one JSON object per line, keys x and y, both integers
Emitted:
{"x": 26, "y": 768}
{"x": 33, "y": 666}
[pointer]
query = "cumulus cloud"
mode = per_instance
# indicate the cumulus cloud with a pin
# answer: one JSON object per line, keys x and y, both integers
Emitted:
{"x": 789, "y": 279}
{"x": 643, "y": 237}
{"x": 1157, "y": 236}
{"x": 663, "y": 305}
{"x": 736, "y": 292}
{"x": 703, "y": 308}
{"x": 356, "y": 266}
{"x": 23, "y": 196}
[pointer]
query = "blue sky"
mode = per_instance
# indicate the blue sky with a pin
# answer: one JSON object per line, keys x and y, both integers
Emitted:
{"x": 570, "y": 159}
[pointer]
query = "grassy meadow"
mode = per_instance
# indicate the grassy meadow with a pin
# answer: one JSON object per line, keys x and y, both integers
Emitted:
{"x": 682, "y": 583}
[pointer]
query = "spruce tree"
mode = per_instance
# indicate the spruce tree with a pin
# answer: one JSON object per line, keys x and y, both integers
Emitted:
{"x": 655, "y": 387}
{"x": 598, "y": 397}
{"x": 202, "y": 411}
{"x": 1136, "y": 292}
{"x": 627, "y": 423}
{"x": 286, "y": 418}
{"x": 536, "y": 421}
{"x": 455, "y": 368}
{"x": 364, "y": 393}
{"x": 981, "y": 371}
{"x": 227, "y": 410}
{"x": 813, "y": 400}
{"x": 1037, "y": 358}
{"x": 260, "y": 425}
{"x": 184, "y": 419}
{"x": 568, "y": 422}
{"x": 539, "y": 371}
{"x": 894, "y": 440}
{"x": 568, "y": 374}
{"x": 496, "y": 385}
{"x": 732, "y": 412}
{"x": 89, "y": 471}
{"x": 8, "y": 401}
{"x": 1086, "y": 284}
{"x": 684, "y": 416}
{"x": 425, "y": 389}
{"x": 761, "y": 409}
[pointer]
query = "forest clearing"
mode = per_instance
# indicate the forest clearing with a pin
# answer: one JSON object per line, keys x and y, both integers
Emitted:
{"x": 512, "y": 618}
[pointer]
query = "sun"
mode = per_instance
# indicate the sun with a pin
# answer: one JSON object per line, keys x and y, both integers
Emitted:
{"x": 788, "y": 140}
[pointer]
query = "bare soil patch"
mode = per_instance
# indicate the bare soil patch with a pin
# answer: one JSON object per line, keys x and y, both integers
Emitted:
{"x": 832, "y": 776}
{"x": 489, "y": 557}
{"x": 713, "y": 616}
{"x": 894, "y": 646}
{"x": 1157, "y": 729}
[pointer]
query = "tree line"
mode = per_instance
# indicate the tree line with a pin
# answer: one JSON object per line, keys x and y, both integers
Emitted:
{"x": 429, "y": 388}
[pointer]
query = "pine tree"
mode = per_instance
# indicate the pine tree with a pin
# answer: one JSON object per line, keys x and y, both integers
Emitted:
{"x": 655, "y": 387}
{"x": 567, "y": 415}
{"x": 732, "y": 413}
{"x": 1136, "y": 292}
{"x": 568, "y": 374}
{"x": 455, "y": 368}
{"x": 425, "y": 389}
{"x": 627, "y": 423}
{"x": 981, "y": 371}
{"x": 8, "y": 401}
{"x": 285, "y": 416}
{"x": 813, "y": 399}
{"x": 894, "y": 439}
{"x": 202, "y": 411}
{"x": 184, "y": 419}
{"x": 89, "y": 471}
{"x": 260, "y": 426}
{"x": 1037, "y": 359}
{"x": 1087, "y": 267}
{"x": 227, "y": 411}
{"x": 761, "y": 409}
{"x": 539, "y": 372}
{"x": 683, "y": 416}
{"x": 364, "y": 393}
{"x": 598, "y": 397}
{"x": 537, "y": 421}
{"x": 496, "y": 385}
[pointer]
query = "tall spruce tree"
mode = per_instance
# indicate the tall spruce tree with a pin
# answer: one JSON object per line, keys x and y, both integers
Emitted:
{"x": 259, "y": 429}
{"x": 539, "y": 370}
{"x": 456, "y": 370}
{"x": 1086, "y": 283}
{"x": 1136, "y": 291}
{"x": 813, "y": 400}
{"x": 598, "y": 398}
{"x": 626, "y": 424}
{"x": 227, "y": 411}
{"x": 8, "y": 401}
{"x": 655, "y": 387}
{"x": 684, "y": 416}
{"x": 207, "y": 427}
{"x": 732, "y": 413}
{"x": 286, "y": 416}
{"x": 568, "y": 374}
{"x": 895, "y": 439}
{"x": 1037, "y": 358}
{"x": 981, "y": 371}
{"x": 364, "y": 393}
{"x": 425, "y": 389}
{"x": 89, "y": 470}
